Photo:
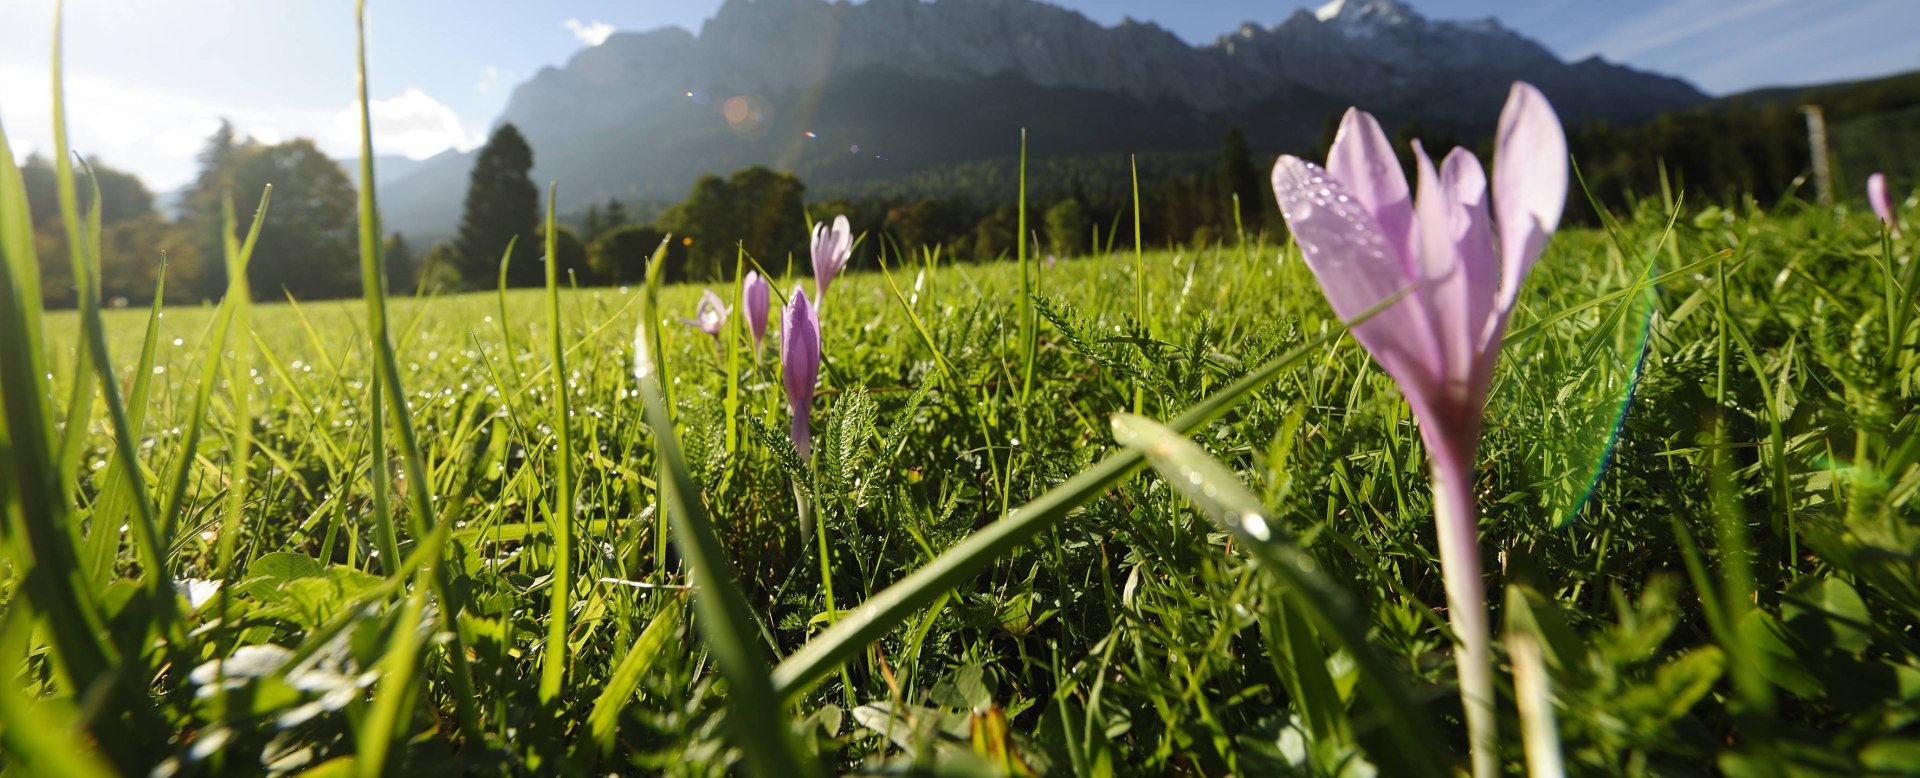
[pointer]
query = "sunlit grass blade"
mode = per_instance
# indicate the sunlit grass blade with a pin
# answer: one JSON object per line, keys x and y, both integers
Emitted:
{"x": 387, "y": 725}
{"x": 39, "y": 515}
{"x": 755, "y": 713}
{"x": 35, "y": 505}
{"x": 1226, "y": 501}
{"x": 895, "y": 604}
{"x": 39, "y": 738}
{"x": 1532, "y": 687}
{"x": 123, "y": 492}
{"x": 1519, "y": 334}
{"x": 919, "y": 327}
{"x": 211, "y": 362}
{"x": 1029, "y": 331}
{"x": 603, "y": 723}
{"x": 128, "y": 482}
{"x": 373, "y": 275}
{"x": 553, "y": 664}
{"x": 239, "y": 304}
{"x": 1737, "y": 585}
{"x": 1139, "y": 275}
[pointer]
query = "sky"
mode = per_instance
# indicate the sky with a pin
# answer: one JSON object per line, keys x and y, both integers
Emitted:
{"x": 148, "y": 80}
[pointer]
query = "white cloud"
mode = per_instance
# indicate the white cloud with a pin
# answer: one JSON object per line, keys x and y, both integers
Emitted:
{"x": 156, "y": 131}
{"x": 494, "y": 77}
{"x": 131, "y": 126}
{"x": 186, "y": 140}
{"x": 413, "y": 125}
{"x": 592, "y": 34}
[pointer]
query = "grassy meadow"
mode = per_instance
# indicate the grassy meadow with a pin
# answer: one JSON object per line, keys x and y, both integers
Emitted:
{"x": 1125, "y": 514}
{"x": 1697, "y": 485}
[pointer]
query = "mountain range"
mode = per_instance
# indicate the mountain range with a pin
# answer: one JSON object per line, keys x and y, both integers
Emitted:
{"x": 848, "y": 95}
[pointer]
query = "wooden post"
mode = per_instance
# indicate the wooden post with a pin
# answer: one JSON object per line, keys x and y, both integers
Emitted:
{"x": 1817, "y": 144}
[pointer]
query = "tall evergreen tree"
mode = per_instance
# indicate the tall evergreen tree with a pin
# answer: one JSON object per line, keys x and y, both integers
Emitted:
{"x": 1067, "y": 228}
{"x": 615, "y": 216}
{"x": 502, "y": 204}
{"x": 403, "y": 268}
{"x": 1240, "y": 177}
{"x": 594, "y": 225}
{"x": 201, "y": 207}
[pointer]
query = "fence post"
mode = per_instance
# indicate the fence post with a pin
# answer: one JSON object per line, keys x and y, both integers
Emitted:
{"x": 1817, "y": 144}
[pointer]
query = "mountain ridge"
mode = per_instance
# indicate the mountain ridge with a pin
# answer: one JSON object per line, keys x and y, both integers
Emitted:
{"x": 778, "y": 82}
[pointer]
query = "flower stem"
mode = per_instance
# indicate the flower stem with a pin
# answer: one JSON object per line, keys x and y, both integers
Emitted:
{"x": 813, "y": 520}
{"x": 1457, "y": 525}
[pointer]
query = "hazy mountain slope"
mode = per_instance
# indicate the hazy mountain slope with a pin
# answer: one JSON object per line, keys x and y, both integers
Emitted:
{"x": 892, "y": 88}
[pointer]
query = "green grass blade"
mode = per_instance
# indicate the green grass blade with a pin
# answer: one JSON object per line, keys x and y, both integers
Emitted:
{"x": 553, "y": 666}
{"x": 1225, "y": 500}
{"x": 1532, "y": 685}
{"x": 373, "y": 273}
{"x": 387, "y": 725}
{"x": 38, "y": 738}
{"x": 215, "y": 348}
{"x": 500, "y": 289}
{"x": 1029, "y": 332}
{"x": 1139, "y": 276}
{"x": 1520, "y": 334}
{"x": 736, "y": 340}
{"x": 130, "y": 483}
{"x": 240, "y": 435}
{"x": 755, "y": 712}
{"x": 39, "y": 514}
{"x": 893, "y": 605}
{"x": 919, "y": 328}
{"x": 117, "y": 504}
{"x": 604, "y": 722}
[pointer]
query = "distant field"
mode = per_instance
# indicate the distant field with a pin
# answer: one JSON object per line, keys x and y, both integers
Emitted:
{"x": 1755, "y": 423}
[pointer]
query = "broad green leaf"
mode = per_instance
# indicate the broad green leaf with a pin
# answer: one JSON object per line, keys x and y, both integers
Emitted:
{"x": 1776, "y": 658}
{"x": 1827, "y": 612}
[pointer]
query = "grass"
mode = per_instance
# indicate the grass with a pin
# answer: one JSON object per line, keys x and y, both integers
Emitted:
{"x": 1125, "y": 632}
{"x": 1056, "y": 533}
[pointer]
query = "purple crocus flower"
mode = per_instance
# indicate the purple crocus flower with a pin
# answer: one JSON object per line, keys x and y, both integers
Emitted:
{"x": 800, "y": 365}
{"x": 1882, "y": 203}
{"x": 831, "y": 248}
{"x": 710, "y": 315}
{"x": 754, "y": 299}
{"x": 1366, "y": 238}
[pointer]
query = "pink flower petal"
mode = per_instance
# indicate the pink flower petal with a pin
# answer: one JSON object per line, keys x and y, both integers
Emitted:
{"x": 1882, "y": 202}
{"x": 1457, "y": 260}
{"x": 755, "y": 298}
{"x": 1356, "y": 268}
{"x": 1362, "y": 159}
{"x": 1471, "y": 233}
{"x": 1529, "y": 184}
{"x": 832, "y": 245}
{"x": 800, "y": 364}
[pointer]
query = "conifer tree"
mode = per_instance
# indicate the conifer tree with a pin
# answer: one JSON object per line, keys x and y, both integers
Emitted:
{"x": 502, "y": 204}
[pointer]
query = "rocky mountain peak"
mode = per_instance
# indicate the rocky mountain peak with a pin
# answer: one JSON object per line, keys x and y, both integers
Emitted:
{"x": 1360, "y": 18}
